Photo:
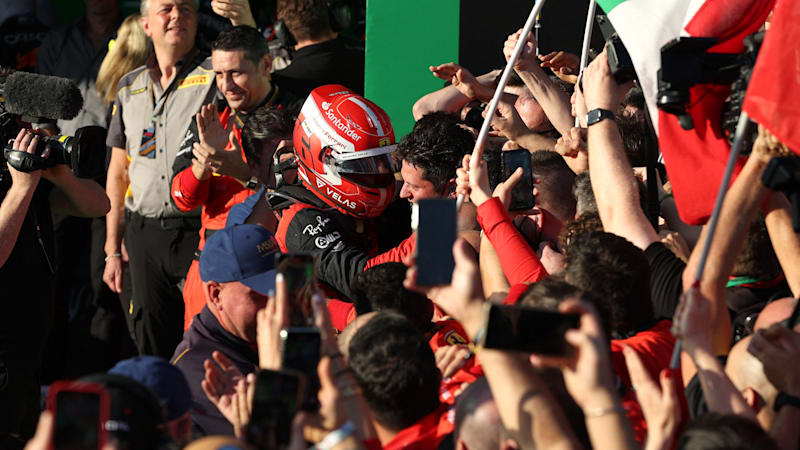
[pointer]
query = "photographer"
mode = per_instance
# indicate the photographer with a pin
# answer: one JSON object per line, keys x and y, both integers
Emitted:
{"x": 26, "y": 274}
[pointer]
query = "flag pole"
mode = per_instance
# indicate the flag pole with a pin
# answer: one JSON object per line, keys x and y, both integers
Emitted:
{"x": 736, "y": 149}
{"x": 587, "y": 40}
{"x": 477, "y": 151}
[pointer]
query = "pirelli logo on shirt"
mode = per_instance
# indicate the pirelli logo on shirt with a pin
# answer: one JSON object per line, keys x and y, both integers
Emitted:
{"x": 194, "y": 80}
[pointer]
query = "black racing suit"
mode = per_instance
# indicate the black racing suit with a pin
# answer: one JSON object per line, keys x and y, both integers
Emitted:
{"x": 344, "y": 245}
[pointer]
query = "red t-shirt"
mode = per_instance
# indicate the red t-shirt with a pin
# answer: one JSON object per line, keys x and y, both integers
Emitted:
{"x": 654, "y": 347}
{"x": 427, "y": 433}
{"x": 450, "y": 332}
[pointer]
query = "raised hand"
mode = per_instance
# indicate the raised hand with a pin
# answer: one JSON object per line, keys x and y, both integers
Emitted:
{"x": 237, "y": 11}
{"x": 527, "y": 60}
{"x": 659, "y": 401}
{"x": 220, "y": 385}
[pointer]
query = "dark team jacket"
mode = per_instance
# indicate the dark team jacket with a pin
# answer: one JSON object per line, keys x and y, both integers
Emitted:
{"x": 344, "y": 246}
{"x": 199, "y": 341}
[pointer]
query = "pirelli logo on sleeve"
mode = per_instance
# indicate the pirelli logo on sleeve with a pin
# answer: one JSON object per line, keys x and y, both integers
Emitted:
{"x": 194, "y": 80}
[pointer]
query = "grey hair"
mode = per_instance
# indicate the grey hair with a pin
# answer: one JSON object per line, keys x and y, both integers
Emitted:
{"x": 144, "y": 6}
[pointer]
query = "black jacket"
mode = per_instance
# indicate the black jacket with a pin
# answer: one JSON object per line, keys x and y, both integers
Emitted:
{"x": 337, "y": 61}
{"x": 199, "y": 341}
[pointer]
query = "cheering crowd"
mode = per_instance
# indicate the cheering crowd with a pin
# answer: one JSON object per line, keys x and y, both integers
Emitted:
{"x": 225, "y": 153}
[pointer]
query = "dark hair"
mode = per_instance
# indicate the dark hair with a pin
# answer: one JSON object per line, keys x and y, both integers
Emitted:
{"x": 266, "y": 123}
{"x": 585, "y": 222}
{"x": 381, "y": 288}
{"x": 436, "y": 145}
{"x": 584, "y": 195}
{"x": 306, "y": 19}
{"x": 396, "y": 370}
{"x": 757, "y": 258}
{"x": 633, "y": 127}
{"x": 244, "y": 38}
{"x": 715, "y": 431}
{"x": 549, "y": 293}
{"x": 556, "y": 181}
{"x": 617, "y": 274}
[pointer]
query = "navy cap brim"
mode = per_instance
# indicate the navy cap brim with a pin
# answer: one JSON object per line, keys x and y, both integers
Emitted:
{"x": 262, "y": 283}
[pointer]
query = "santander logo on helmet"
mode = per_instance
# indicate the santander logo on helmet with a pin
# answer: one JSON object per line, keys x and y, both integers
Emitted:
{"x": 343, "y": 144}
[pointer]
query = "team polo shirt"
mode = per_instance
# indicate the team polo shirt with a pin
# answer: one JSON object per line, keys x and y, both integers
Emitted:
{"x": 142, "y": 104}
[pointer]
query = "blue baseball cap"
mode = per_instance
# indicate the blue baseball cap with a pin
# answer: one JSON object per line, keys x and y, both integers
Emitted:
{"x": 244, "y": 253}
{"x": 164, "y": 379}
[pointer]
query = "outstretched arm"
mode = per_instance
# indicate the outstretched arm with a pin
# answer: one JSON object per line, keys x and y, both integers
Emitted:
{"x": 464, "y": 88}
{"x": 613, "y": 183}
{"x": 552, "y": 99}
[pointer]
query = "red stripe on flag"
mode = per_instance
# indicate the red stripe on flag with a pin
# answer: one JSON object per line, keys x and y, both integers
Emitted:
{"x": 773, "y": 96}
{"x": 696, "y": 159}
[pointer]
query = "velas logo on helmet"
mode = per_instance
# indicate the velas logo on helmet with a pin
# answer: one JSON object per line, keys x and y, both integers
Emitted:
{"x": 343, "y": 144}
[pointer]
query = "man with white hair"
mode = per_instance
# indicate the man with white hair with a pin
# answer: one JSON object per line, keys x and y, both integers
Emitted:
{"x": 154, "y": 106}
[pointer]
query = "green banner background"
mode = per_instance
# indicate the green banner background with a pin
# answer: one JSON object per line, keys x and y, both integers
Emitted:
{"x": 403, "y": 39}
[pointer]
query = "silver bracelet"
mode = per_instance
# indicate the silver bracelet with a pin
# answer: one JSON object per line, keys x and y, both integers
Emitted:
{"x": 600, "y": 412}
{"x": 335, "y": 437}
{"x": 113, "y": 255}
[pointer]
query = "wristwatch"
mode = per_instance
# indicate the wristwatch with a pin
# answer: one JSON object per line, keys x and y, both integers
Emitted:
{"x": 251, "y": 184}
{"x": 596, "y": 115}
{"x": 785, "y": 399}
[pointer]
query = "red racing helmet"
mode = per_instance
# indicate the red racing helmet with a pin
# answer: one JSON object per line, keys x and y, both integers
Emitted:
{"x": 343, "y": 144}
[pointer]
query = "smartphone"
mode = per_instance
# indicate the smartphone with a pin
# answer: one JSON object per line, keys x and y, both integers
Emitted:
{"x": 528, "y": 330}
{"x": 81, "y": 411}
{"x": 300, "y": 278}
{"x": 277, "y": 396}
{"x": 300, "y": 347}
{"x": 436, "y": 233}
{"x": 522, "y": 194}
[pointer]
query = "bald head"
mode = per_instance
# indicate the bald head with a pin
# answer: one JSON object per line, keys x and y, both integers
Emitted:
{"x": 747, "y": 374}
{"x": 774, "y": 312}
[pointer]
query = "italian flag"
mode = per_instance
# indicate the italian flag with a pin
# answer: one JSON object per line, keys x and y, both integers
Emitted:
{"x": 695, "y": 159}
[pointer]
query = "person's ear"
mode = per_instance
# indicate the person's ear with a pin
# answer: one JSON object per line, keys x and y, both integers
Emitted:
{"x": 145, "y": 26}
{"x": 753, "y": 399}
{"x": 212, "y": 290}
{"x": 266, "y": 65}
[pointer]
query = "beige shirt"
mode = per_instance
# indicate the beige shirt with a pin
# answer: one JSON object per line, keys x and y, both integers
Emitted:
{"x": 142, "y": 102}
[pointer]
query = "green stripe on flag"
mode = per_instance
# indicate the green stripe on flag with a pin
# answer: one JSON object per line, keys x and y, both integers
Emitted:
{"x": 608, "y": 5}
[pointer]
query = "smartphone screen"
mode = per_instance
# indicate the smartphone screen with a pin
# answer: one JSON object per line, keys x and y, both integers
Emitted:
{"x": 522, "y": 194}
{"x": 301, "y": 347}
{"x": 528, "y": 330}
{"x": 299, "y": 275}
{"x": 275, "y": 402}
{"x": 80, "y": 411}
{"x": 436, "y": 233}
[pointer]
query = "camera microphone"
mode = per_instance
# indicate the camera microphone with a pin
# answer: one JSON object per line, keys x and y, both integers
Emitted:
{"x": 34, "y": 95}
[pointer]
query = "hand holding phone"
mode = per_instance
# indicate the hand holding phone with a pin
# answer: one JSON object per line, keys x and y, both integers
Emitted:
{"x": 522, "y": 193}
{"x": 300, "y": 279}
{"x": 528, "y": 330}
{"x": 81, "y": 411}
{"x": 436, "y": 233}
{"x": 301, "y": 351}
{"x": 277, "y": 397}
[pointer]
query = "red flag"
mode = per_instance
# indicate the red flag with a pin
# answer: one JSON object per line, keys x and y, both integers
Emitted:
{"x": 696, "y": 159}
{"x": 773, "y": 96}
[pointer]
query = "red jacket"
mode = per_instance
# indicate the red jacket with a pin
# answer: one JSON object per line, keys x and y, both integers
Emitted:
{"x": 217, "y": 194}
{"x": 519, "y": 261}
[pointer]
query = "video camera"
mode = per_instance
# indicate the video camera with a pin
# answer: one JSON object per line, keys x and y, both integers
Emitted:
{"x": 685, "y": 63}
{"x": 27, "y": 98}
